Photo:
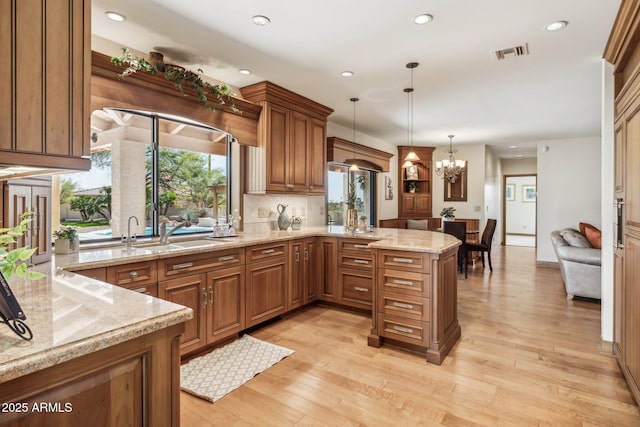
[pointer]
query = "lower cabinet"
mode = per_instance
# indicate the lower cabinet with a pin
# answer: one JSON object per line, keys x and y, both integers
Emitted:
{"x": 327, "y": 268}
{"x": 355, "y": 273}
{"x": 302, "y": 279}
{"x": 266, "y": 282}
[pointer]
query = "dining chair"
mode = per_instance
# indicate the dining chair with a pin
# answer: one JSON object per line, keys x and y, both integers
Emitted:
{"x": 458, "y": 229}
{"x": 485, "y": 242}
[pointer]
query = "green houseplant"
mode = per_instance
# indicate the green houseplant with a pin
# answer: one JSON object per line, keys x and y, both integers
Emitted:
{"x": 15, "y": 260}
{"x": 179, "y": 77}
{"x": 447, "y": 214}
{"x": 412, "y": 186}
{"x": 66, "y": 240}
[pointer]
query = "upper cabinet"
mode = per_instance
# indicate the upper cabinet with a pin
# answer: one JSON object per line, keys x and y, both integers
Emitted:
{"x": 291, "y": 156}
{"x": 44, "y": 81}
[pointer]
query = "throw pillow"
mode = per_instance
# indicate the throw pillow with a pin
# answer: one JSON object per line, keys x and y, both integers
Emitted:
{"x": 417, "y": 224}
{"x": 575, "y": 238}
{"x": 594, "y": 236}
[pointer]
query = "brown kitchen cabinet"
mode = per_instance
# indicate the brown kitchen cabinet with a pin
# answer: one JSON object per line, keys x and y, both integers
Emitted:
{"x": 225, "y": 304}
{"x": 302, "y": 281}
{"x": 292, "y": 139}
{"x": 417, "y": 204}
{"x": 355, "y": 273}
{"x": 266, "y": 282}
{"x": 327, "y": 269}
{"x": 44, "y": 78}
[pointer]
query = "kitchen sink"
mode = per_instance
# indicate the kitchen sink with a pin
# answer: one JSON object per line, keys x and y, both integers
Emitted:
{"x": 176, "y": 246}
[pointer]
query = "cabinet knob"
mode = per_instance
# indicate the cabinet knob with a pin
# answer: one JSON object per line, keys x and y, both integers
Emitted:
{"x": 289, "y": 186}
{"x": 133, "y": 274}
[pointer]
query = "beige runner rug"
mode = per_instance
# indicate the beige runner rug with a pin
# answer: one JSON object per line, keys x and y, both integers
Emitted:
{"x": 215, "y": 374}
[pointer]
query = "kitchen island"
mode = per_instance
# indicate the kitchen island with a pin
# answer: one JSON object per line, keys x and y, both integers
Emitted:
{"x": 100, "y": 355}
{"x": 405, "y": 279}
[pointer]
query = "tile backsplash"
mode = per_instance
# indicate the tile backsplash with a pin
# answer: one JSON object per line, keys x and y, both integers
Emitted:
{"x": 261, "y": 210}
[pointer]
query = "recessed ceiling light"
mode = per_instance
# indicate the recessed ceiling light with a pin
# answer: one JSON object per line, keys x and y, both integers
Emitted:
{"x": 245, "y": 71}
{"x": 555, "y": 26}
{"x": 347, "y": 73}
{"x": 513, "y": 146}
{"x": 260, "y": 20}
{"x": 115, "y": 16}
{"x": 423, "y": 18}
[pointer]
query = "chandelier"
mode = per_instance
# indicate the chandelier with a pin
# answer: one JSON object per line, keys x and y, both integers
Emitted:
{"x": 450, "y": 169}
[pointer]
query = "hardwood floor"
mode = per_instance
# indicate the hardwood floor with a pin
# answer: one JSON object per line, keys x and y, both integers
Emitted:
{"x": 527, "y": 357}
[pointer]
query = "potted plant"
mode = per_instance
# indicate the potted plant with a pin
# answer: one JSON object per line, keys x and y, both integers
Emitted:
{"x": 351, "y": 220}
{"x": 66, "y": 240}
{"x": 447, "y": 214}
{"x": 15, "y": 260}
{"x": 412, "y": 186}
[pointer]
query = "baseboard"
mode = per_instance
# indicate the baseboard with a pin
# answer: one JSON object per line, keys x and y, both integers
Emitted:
{"x": 547, "y": 264}
{"x": 606, "y": 347}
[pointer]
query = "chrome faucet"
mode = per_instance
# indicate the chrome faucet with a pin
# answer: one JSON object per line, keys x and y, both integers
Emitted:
{"x": 164, "y": 235}
{"x": 130, "y": 238}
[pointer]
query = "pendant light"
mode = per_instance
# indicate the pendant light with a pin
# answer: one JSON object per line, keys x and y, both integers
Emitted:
{"x": 354, "y": 166}
{"x": 411, "y": 156}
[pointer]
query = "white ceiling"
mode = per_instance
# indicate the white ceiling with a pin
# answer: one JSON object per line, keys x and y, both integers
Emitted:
{"x": 460, "y": 88}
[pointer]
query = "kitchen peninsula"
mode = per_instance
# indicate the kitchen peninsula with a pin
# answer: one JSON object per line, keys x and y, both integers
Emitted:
{"x": 405, "y": 279}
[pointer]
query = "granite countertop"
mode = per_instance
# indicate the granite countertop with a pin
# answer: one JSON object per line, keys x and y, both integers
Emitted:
{"x": 71, "y": 315}
{"x": 381, "y": 238}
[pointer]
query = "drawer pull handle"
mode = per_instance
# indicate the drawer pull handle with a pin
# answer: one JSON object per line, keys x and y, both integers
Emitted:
{"x": 225, "y": 258}
{"x": 361, "y": 261}
{"x": 140, "y": 290}
{"x": 402, "y": 305}
{"x": 403, "y": 329}
{"x": 306, "y": 255}
{"x": 359, "y": 289}
{"x": 402, "y": 282}
{"x": 357, "y": 246}
{"x": 204, "y": 298}
{"x": 403, "y": 260}
{"x": 268, "y": 251}
{"x": 181, "y": 266}
{"x": 133, "y": 274}
{"x": 210, "y": 295}
{"x": 297, "y": 256}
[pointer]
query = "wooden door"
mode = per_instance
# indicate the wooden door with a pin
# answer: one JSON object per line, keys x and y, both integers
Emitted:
{"x": 277, "y": 142}
{"x": 41, "y": 229}
{"x": 423, "y": 204}
{"x": 317, "y": 156}
{"x": 190, "y": 292}
{"x": 297, "y": 274}
{"x": 327, "y": 268}
{"x": 225, "y": 306}
{"x": 408, "y": 203}
{"x": 266, "y": 290}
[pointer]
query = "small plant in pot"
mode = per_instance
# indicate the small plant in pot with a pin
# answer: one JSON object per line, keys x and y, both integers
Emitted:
{"x": 67, "y": 241}
{"x": 412, "y": 186}
{"x": 447, "y": 214}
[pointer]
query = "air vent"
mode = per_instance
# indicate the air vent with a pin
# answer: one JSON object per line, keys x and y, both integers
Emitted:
{"x": 511, "y": 52}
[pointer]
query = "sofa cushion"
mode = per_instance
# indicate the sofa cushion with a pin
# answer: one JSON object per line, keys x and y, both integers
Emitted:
{"x": 593, "y": 235}
{"x": 575, "y": 238}
{"x": 418, "y": 224}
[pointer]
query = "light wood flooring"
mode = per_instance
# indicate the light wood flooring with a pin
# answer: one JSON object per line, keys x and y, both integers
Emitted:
{"x": 527, "y": 357}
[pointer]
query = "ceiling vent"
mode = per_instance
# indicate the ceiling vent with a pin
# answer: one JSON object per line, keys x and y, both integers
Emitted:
{"x": 511, "y": 52}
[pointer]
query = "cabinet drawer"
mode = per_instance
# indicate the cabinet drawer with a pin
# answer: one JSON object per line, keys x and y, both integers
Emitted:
{"x": 356, "y": 287}
{"x": 147, "y": 289}
{"x": 267, "y": 251}
{"x": 355, "y": 260}
{"x": 99, "y": 273}
{"x": 404, "y": 282}
{"x": 355, "y": 245}
{"x": 412, "y": 261}
{"x": 132, "y": 274}
{"x": 189, "y": 264}
{"x": 404, "y": 329}
{"x": 415, "y": 308}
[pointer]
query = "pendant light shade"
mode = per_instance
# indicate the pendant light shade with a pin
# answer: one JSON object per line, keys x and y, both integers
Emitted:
{"x": 411, "y": 156}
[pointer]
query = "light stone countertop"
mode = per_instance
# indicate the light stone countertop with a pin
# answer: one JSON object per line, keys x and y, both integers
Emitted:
{"x": 71, "y": 315}
{"x": 381, "y": 238}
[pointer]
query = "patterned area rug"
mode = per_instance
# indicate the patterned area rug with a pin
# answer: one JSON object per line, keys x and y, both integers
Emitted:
{"x": 213, "y": 375}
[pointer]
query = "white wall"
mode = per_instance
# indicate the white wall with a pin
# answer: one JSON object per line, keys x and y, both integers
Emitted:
{"x": 493, "y": 194}
{"x": 386, "y": 208}
{"x": 569, "y": 188}
{"x": 520, "y": 215}
{"x": 527, "y": 166}
{"x": 473, "y": 207}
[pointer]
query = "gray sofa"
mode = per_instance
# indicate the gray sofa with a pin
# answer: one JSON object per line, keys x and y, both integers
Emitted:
{"x": 579, "y": 263}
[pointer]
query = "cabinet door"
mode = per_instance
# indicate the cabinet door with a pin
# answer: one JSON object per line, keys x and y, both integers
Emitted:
{"x": 618, "y": 303}
{"x": 317, "y": 156}
{"x": 298, "y": 154}
{"x": 297, "y": 275}
{"x": 619, "y": 158}
{"x": 309, "y": 255}
{"x": 190, "y": 292}
{"x": 423, "y": 204}
{"x": 277, "y": 144}
{"x": 327, "y": 268}
{"x": 47, "y": 89}
{"x": 356, "y": 287}
{"x": 631, "y": 326}
{"x": 225, "y": 306}
{"x": 266, "y": 290}
{"x": 408, "y": 203}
